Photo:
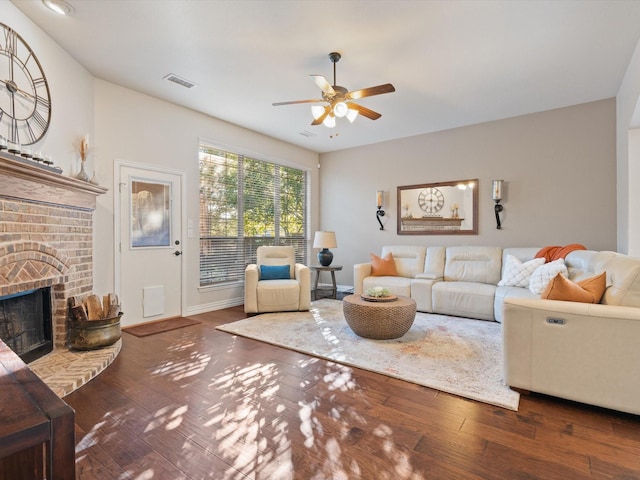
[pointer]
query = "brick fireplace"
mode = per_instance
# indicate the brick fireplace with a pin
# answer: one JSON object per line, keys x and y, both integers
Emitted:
{"x": 46, "y": 235}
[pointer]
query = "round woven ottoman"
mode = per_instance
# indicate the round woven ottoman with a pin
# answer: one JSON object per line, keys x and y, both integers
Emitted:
{"x": 379, "y": 320}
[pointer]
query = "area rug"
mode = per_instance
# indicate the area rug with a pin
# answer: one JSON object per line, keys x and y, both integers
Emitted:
{"x": 151, "y": 328}
{"x": 455, "y": 355}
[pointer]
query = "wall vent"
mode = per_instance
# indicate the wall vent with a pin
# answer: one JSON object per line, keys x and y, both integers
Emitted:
{"x": 179, "y": 80}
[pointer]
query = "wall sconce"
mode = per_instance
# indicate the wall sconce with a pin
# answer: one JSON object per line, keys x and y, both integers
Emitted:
{"x": 497, "y": 196}
{"x": 380, "y": 212}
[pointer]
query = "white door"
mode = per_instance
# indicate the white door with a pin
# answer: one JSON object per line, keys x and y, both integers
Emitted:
{"x": 150, "y": 246}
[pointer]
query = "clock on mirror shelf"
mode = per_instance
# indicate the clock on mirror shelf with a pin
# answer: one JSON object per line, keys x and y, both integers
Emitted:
{"x": 25, "y": 102}
{"x": 443, "y": 208}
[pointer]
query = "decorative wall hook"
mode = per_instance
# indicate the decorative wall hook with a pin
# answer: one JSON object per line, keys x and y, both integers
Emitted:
{"x": 380, "y": 211}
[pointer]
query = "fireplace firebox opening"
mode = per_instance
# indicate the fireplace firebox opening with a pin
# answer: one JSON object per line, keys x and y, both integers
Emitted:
{"x": 26, "y": 323}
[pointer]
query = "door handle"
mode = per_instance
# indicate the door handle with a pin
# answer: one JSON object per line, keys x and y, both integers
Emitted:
{"x": 177, "y": 253}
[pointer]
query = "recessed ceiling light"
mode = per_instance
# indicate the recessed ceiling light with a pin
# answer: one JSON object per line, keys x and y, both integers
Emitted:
{"x": 59, "y": 6}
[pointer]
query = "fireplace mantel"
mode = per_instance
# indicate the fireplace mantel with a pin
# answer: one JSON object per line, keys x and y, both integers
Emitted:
{"x": 23, "y": 180}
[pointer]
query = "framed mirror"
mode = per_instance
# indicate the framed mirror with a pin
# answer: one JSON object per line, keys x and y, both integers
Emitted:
{"x": 445, "y": 208}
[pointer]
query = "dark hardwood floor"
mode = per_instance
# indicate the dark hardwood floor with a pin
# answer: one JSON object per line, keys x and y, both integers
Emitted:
{"x": 195, "y": 403}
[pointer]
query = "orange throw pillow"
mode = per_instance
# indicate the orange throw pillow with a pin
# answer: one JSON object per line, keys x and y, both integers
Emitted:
{"x": 589, "y": 290}
{"x": 595, "y": 285}
{"x": 383, "y": 267}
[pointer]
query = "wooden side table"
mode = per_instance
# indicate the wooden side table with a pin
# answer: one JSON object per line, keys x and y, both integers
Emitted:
{"x": 319, "y": 269}
{"x": 37, "y": 433}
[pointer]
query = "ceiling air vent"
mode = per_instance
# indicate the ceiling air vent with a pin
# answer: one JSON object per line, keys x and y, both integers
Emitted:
{"x": 306, "y": 133}
{"x": 180, "y": 81}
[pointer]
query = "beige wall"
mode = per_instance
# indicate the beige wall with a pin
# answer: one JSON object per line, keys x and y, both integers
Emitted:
{"x": 559, "y": 166}
{"x": 71, "y": 88}
{"x": 634, "y": 192}
{"x": 559, "y": 169}
{"x": 136, "y": 128}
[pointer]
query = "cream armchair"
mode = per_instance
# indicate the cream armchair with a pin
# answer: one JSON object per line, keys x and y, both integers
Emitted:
{"x": 267, "y": 290}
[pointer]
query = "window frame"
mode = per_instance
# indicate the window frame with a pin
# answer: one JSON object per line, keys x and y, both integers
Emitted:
{"x": 221, "y": 269}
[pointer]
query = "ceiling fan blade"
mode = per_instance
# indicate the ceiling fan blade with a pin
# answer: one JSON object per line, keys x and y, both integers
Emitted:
{"x": 324, "y": 85}
{"x": 369, "y": 92}
{"x": 296, "y": 101}
{"x": 364, "y": 111}
{"x": 320, "y": 119}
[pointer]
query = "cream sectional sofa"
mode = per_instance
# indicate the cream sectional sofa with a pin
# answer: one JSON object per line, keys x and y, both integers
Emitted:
{"x": 460, "y": 281}
{"x": 584, "y": 352}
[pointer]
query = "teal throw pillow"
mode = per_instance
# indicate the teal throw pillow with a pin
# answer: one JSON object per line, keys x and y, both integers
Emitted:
{"x": 274, "y": 272}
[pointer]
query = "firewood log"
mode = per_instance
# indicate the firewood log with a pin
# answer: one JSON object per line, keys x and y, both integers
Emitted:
{"x": 78, "y": 313}
{"x": 94, "y": 307}
{"x": 105, "y": 305}
{"x": 113, "y": 311}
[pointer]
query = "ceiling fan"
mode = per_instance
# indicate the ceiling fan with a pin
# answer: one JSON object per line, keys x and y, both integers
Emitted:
{"x": 339, "y": 99}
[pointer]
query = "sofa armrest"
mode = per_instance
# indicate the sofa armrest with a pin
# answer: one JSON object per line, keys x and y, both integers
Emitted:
{"x": 251, "y": 277}
{"x": 360, "y": 272}
{"x": 303, "y": 275}
{"x": 579, "y": 351}
{"x": 587, "y": 310}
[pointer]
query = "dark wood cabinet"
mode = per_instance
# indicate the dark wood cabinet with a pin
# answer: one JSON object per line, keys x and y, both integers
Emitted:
{"x": 37, "y": 437}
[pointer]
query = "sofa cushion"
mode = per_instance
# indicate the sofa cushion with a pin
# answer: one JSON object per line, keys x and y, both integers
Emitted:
{"x": 278, "y": 295}
{"x": 517, "y": 273}
{"x": 473, "y": 264}
{"x": 409, "y": 259}
{"x": 623, "y": 275}
{"x": 464, "y": 299}
{"x": 541, "y": 277}
{"x": 589, "y": 290}
{"x": 586, "y": 263}
{"x": 384, "y": 266}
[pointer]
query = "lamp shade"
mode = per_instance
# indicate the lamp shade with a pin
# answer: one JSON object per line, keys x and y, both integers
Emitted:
{"x": 351, "y": 115}
{"x": 317, "y": 111}
{"x": 497, "y": 189}
{"x": 329, "y": 121}
{"x": 325, "y": 240}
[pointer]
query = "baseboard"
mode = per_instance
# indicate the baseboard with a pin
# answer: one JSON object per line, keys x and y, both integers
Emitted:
{"x": 234, "y": 302}
{"x": 209, "y": 307}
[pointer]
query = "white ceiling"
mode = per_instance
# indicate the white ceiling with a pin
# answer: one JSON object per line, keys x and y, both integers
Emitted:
{"x": 453, "y": 63}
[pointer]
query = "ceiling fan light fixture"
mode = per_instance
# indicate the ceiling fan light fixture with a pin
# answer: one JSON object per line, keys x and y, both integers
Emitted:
{"x": 337, "y": 100}
{"x": 351, "y": 114}
{"x": 340, "y": 109}
{"x": 317, "y": 111}
{"x": 330, "y": 121}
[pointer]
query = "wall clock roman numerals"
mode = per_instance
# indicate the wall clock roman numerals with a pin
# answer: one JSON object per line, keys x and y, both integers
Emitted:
{"x": 25, "y": 103}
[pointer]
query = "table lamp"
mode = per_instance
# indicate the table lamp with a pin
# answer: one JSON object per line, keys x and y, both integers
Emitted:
{"x": 325, "y": 241}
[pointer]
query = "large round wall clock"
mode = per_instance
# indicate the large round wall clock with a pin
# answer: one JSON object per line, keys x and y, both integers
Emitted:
{"x": 25, "y": 103}
{"x": 431, "y": 200}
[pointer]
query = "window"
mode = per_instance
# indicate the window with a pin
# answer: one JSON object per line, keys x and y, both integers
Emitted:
{"x": 246, "y": 203}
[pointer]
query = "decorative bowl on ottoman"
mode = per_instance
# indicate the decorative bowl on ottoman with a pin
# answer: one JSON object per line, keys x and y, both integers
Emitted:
{"x": 379, "y": 320}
